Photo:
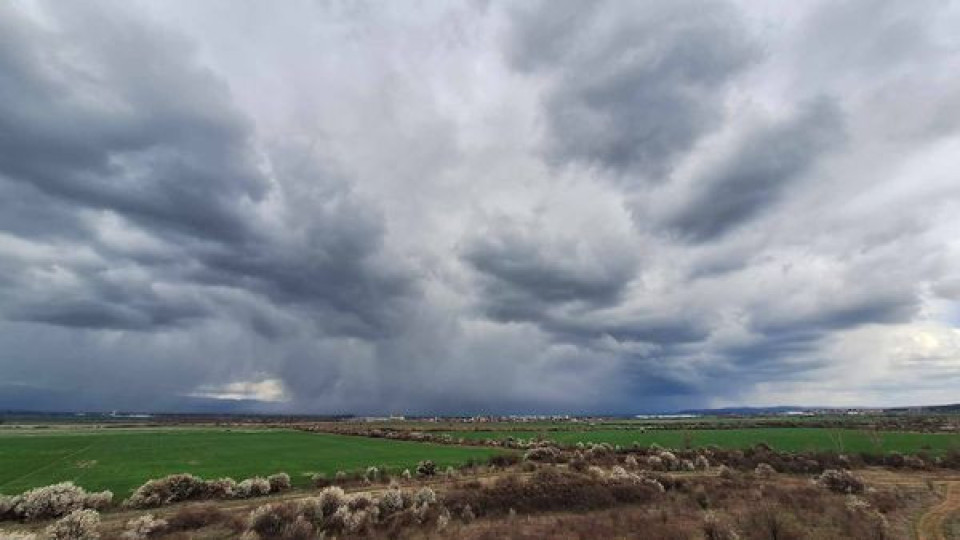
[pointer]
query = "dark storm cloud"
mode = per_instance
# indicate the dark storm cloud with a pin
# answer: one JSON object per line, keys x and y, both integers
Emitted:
{"x": 635, "y": 86}
{"x": 108, "y": 114}
{"x": 519, "y": 278}
{"x": 87, "y": 119}
{"x": 460, "y": 208}
{"x": 758, "y": 172}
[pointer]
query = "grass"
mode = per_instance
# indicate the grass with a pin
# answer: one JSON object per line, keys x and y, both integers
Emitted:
{"x": 784, "y": 439}
{"x": 122, "y": 459}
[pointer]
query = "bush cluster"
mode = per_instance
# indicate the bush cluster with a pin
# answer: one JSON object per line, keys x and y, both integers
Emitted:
{"x": 187, "y": 487}
{"x": 52, "y": 501}
{"x": 333, "y": 512}
{"x": 840, "y": 481}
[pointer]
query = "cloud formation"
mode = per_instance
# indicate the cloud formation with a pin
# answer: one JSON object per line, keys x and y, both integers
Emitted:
{"x": 478, "y": 207}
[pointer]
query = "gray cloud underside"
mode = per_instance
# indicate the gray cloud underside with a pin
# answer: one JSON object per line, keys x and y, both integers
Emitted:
{"x": 477, "y": 207}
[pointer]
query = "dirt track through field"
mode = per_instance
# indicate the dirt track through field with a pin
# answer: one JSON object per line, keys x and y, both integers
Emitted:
{"x": 930, "y": 526}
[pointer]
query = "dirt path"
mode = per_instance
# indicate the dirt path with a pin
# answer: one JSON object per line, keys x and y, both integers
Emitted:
{"x": 931, "y": 525}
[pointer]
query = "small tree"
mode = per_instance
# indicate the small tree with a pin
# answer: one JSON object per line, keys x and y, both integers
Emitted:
{"x": 426, "y": 468}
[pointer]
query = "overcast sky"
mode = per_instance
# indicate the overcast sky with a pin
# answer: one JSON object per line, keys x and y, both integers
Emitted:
{"x": 479, "y": 206}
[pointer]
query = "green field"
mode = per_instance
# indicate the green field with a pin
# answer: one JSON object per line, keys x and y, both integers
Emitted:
{"x": 122, "y": 459}
{"x": 785, "y": 439}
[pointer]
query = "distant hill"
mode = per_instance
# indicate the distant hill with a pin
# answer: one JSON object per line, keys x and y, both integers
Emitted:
{"x": 748, "y": 411}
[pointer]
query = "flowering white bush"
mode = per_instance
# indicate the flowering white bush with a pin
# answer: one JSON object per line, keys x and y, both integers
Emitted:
{"x": 670, "y": 461}
{"x": 406, "y": 474}
{"x": 655, "y": 463}
{"x": 253, "y": 487}
{"x": 701, "y": 463}
{"x": 279, "y": 482}
{"x": 57, "y": 500}
{"x": 631, "y": 462}
{"x": 655, "y": 484}
{"x": 541, "y": 453}
{"x": 840, "y": 481}
{"x": 391, "y": 502}
{"x": 161, "y": 491}
{"x": 350, "y": 521}
{"x": 143, "y": 527}
{"x": 221, "y": 488}
{"x": 764, "y": 470}
{"x": 687, "y": 465}
{"x": 372, "y": 474}
{"x": 331, "y": 499}
{"x": 77, "y": 525}
{"x": 425, "y": 496}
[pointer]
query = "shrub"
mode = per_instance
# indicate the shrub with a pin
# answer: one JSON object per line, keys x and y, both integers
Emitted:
{"x": 253, "y": 487}
{"x": 542, "y": 453}
{"x": 764, "y": 470}
{"x": 443, "y": 519}
{"x": 56, "y": 500}
{"x": 145, "y": 526}
{"x": 372, "y": 474}
{"x": 426, "y": 468}
{"x": 360, "y": 501}
{"x": 161, "y": 491}
{"x": 391, "y": 502}
{"x": 715, "y": 528}
{"x": 631, "y": 462}
{"x": 279, "y": 482}
{"x": 840, "y": 481}
{"x": 331, "y": 499}
{"x": 406, "y": 474}
{"x": 195, "y": 516}
{"x": 766, "y": 522}
{"x": 669, "y": 460}
{"x": 466, "y": 514}
{"x": 425, "y": 496}
{"x": 221, "y": 488}
{"x": 77, "y": 525}
{"x": 300, "y": 529}
{"x": 273, "y": 520}
{"x": 726, "y": 473}
{"x": 701, "y": 463}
